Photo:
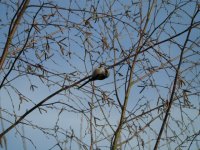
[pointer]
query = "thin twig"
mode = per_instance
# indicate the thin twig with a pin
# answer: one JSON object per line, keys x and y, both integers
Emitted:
{"x": 174, "y": 85}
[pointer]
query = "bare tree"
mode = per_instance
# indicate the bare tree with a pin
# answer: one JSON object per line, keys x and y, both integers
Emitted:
{"x": 149, "y": 99}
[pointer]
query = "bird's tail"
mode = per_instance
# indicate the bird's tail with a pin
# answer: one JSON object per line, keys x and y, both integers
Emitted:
{"x": 84, "y": 84}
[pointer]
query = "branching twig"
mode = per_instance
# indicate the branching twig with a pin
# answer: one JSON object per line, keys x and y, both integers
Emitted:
{"x": 12, "y": 30}
{"x": 174, "y": 85}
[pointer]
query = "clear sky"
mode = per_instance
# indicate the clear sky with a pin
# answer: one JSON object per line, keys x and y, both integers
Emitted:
{"x": 73, "y": 50}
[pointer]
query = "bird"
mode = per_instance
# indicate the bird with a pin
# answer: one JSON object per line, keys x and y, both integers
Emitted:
{"x": 99, "y": 73}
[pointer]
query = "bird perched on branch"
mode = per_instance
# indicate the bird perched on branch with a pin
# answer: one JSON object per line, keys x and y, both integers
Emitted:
{"x": 99, "y": 73}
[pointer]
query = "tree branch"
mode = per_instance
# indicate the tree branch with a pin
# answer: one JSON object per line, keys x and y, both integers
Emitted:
{"x": 12, "y": 31}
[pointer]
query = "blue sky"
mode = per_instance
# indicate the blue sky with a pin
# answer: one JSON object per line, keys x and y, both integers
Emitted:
{"x": 65, "y": 64}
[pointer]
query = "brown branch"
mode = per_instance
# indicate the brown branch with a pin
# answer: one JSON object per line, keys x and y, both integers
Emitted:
{"x": 141, "y": 130}
{"x": 158, "y": 43}
{"x": 174, "y": 85}
{"x": 118, "y": 131}
{"x": 23, "y": 48}
{"x": 12, "y": 32}
{"x": 39, "y": 104}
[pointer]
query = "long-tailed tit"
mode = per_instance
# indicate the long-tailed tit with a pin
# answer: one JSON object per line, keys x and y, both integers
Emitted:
{"x": 100, "y": 73}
